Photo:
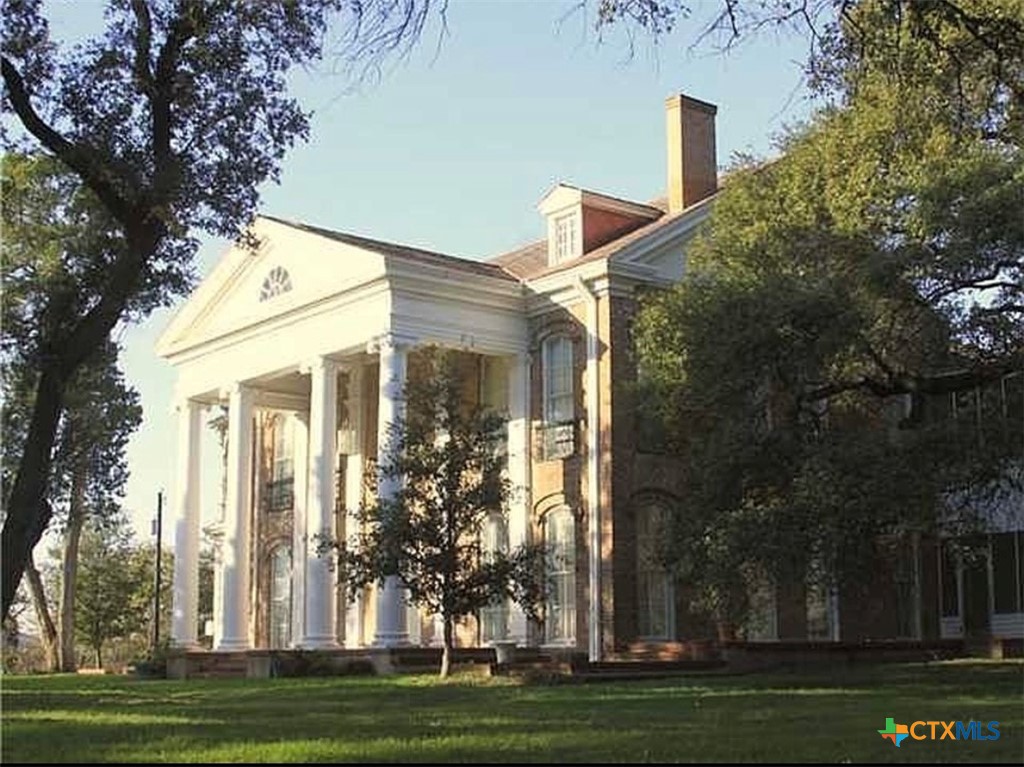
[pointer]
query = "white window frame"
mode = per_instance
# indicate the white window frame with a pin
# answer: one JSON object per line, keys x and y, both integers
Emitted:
{"x": 566, "y": 237}
{"x": 282, "y": 464}
{"x": 493, "y": 619}
{"x": 279, "y": 612}
{"x": 655, "y": 589}
{"x": 560, "y": 567}
{"x": 558, "y": 368}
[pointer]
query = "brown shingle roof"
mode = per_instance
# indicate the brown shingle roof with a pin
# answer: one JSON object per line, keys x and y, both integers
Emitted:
{"x": 531, "y": 261}
{"x": 485, "y": 268}
{"x": 525, "y": 261}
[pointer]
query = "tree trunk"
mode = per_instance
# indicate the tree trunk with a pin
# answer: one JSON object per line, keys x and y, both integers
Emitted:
{"x": 72, "y": 538}
{"x": 446, "y": 653}
{"x": 99, "y": 655}
{"x": 28, "y": 512}
{"x": 46, "y": 627}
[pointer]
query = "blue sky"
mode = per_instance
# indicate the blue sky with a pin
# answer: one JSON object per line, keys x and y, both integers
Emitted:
{"x": 452, "y": 148}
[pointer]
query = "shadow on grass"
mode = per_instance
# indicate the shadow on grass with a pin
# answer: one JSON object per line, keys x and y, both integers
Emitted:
{"x": 831, "y": 715}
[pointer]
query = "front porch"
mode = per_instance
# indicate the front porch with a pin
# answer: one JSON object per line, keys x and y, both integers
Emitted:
{"x": 309, "y": 342}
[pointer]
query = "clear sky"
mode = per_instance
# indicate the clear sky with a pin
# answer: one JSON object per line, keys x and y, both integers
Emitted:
{"x": 452, "y": 148}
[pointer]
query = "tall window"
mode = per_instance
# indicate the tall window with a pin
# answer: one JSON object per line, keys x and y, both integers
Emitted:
{"x": 494, "y": 617}
{"x": 655, "y": 595}
{"x": 281, "y": 487}
{"x": 560, "y": 541}
{"x": 822, "y": 612}
{"x": 281, "y": 597}
{"x": 559, "y": 397}
{"x": 1008, "y": 572}
{"x": 566, "y": 238}
{"x": 949, "y": 586}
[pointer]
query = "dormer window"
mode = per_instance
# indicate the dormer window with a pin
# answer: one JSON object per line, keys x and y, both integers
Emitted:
{"x": 566, "y": 238}
{"x": 579, "y": 221}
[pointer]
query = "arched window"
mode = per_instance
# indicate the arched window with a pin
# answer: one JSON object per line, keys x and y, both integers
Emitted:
{"x": 655, "y": 595}
{"x": 277, "y": 281}
{"x": 494, "y": 617}
{"x": 559, "y": 397}
{"x": 560, "y": 542}
{"x": 281, "y": 597}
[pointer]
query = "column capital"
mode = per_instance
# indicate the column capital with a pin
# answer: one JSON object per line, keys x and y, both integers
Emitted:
{"x": 182, "y": 403}
{"x": 391, "y": 340}
{"x": 524, "y": 358}
{"x": 234, "y": 388}
{"x": 350, "y": 366}
{"x": 321, "y": 363}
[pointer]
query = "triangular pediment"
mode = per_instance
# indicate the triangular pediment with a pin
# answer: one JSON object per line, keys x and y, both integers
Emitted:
{"x": 660, "y": 249}
{"x": 289, "y": 270}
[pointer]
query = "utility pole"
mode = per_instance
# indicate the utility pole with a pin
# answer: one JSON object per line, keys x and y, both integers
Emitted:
{"x": 156, "y": 591}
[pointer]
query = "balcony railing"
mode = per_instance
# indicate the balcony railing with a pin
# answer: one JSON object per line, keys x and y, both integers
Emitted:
{"x": 558, "y": 440}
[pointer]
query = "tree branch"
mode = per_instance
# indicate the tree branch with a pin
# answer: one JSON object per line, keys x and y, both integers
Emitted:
{"x": 162, "y": 98}
{"x": 143, "y": 44}
{"x": 940, "y": 383}
{"x": 81, "y": 159}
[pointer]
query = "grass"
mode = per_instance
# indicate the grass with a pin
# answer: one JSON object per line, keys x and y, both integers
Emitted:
{"x": 769, "y": 717}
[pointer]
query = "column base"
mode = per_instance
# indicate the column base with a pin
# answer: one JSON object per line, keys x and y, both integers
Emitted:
{"x": 232, "y": 645}
{"x": 392, "y": 640}
{"x": 178, "y": 645}
{"x": 319, "y": 643}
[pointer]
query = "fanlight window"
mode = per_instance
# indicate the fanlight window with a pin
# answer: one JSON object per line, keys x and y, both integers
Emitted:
{"x": 277, "y": 282}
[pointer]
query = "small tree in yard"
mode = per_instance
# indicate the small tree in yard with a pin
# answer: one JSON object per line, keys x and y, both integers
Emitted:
{"x": 445, "y": 452}
{"x": 114, "y": 590}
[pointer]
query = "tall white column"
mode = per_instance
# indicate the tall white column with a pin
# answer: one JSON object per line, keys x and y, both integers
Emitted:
{"x": 519, "y": 460}
{"x": 354, "y": 498}
{"x": 235, "y": 568}
{"x": 300, "y": 549}
{"x": 186, "y": 527}
{"x": 323, "y": 436}
{"x": 391, "y": 608}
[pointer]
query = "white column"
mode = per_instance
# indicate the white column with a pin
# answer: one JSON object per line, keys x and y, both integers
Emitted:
{"x": 323, "y": 436}
{"x": 186, "y": 527}
{"x": 300, "y": 549}
{"x": 354, "y": 498}
{"x": 391, "y": 612}
{"x": 235, "y": 567}
{"x": 218, "y": 587}
{"x": 519, "y": 473}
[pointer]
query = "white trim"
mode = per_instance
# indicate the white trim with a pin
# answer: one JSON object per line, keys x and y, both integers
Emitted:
{"x": 594, "y": 643}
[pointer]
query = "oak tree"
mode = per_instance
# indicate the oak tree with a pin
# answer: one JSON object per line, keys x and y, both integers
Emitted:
{"x": 170, "y": 120}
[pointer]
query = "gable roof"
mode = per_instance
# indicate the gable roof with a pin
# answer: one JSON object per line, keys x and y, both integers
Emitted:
{"x": 406, "y": 252}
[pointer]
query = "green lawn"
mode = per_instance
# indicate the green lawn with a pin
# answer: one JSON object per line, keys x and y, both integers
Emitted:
{"x": 776, "y": 717}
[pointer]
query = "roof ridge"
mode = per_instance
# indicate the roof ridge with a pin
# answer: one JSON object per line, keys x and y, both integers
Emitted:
{"x": 386, "y": 247}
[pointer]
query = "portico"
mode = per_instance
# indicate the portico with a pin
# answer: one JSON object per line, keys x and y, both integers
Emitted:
{"x": 311, "y": 335}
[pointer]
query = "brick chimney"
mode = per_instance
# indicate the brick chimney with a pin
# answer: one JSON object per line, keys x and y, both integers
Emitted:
{"x": 692, "y": 169}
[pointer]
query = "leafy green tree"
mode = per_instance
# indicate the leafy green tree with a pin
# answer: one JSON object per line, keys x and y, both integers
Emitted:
{"x": 841, "y": 294}
{"x": 42, "y": 215}
{"x": 447, "y": 456}
{"x": 115, "y": 589}
{"x": 170, "y": 120}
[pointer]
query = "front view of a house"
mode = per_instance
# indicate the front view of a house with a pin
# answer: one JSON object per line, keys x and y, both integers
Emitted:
{"x": 309, "y": 337}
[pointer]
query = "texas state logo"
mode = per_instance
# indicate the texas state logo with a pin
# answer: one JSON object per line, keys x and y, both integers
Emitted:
{"x": 936, "y": 730}
{"x": 897, "y": 733}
